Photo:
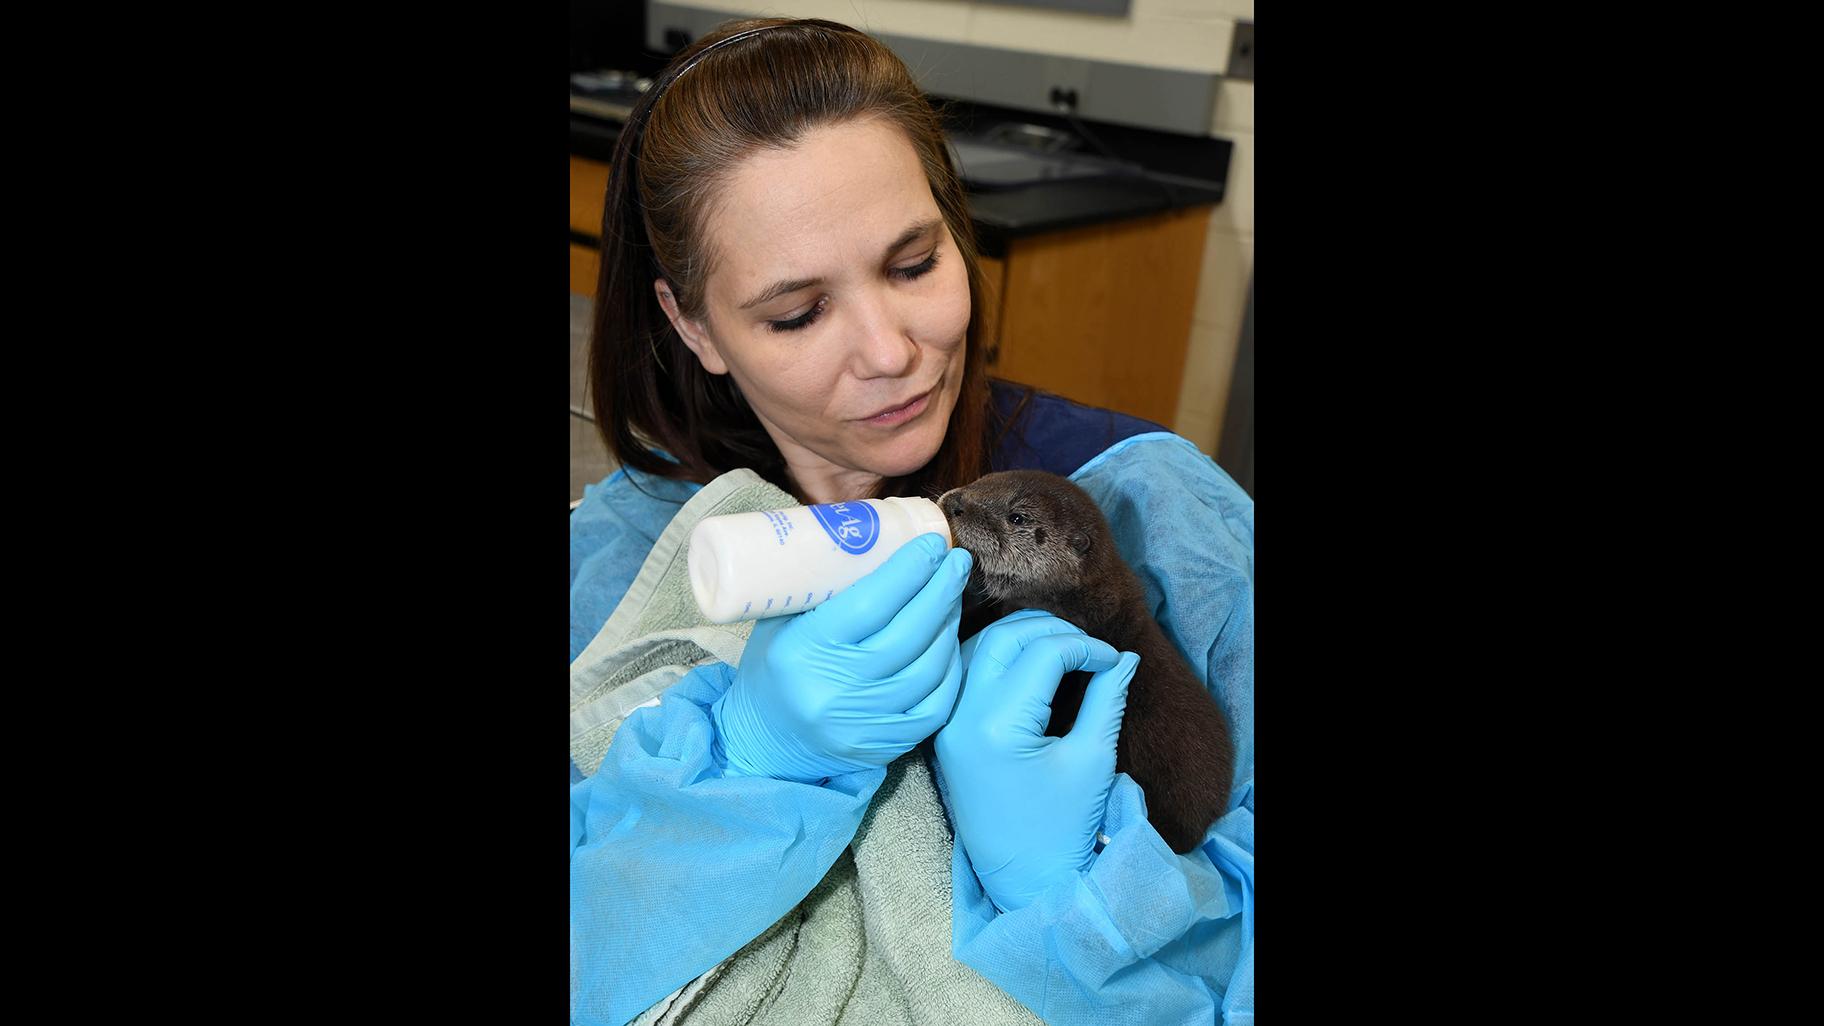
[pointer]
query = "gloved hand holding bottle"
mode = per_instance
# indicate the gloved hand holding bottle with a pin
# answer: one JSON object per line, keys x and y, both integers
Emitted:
{"x": 1027, "y": 807}
{"x": 855, "y": 682}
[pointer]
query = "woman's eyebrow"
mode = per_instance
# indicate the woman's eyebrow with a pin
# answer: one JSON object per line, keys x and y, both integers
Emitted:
{"x": 780, "y": 288}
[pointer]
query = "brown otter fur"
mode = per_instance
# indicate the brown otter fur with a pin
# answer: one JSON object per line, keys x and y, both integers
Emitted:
{"x": 1040, "y": 542}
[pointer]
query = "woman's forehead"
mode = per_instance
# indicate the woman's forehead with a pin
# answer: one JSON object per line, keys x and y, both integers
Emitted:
{"x": 827, "y": 206}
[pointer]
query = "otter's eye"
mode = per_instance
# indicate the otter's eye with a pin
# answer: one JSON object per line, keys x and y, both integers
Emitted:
{"x": 1016, "y": 519}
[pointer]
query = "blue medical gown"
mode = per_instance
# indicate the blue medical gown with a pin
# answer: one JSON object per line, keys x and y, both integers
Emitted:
{"x": 674, "y": 868}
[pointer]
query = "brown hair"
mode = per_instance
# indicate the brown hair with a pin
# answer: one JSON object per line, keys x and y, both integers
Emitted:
{"x": 684, "y": 138}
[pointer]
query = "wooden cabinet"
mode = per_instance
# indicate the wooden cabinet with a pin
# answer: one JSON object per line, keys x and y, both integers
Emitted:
{"x": 588, "y": 188}
{"x": 585, "y": 269}
{"x": 1100, "y": 314}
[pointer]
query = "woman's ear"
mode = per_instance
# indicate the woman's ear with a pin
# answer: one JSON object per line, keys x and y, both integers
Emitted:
{"x": 695, "y": 337}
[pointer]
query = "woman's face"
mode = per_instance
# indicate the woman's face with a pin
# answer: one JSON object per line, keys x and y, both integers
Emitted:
{"x": 839, "y": 303}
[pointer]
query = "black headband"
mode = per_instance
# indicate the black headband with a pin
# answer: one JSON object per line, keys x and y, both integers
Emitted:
{"x": 658, "y": 91}
{"x": 626, "y": 170}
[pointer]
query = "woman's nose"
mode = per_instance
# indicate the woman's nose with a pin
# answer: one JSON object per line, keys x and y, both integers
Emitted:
{"x": 883, "y": 343}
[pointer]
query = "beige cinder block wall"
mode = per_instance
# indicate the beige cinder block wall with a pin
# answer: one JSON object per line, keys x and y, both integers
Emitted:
{"x": 1190, "y": 35}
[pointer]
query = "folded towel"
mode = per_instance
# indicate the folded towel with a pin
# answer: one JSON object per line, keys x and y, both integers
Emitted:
{"x": 871, "y": 943}
{"x": 657, "y": 633}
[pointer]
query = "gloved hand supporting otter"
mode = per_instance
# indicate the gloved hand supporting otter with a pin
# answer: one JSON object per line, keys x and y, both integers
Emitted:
{"x": 857, "y": 681}
{"x": 1026, "y": 806}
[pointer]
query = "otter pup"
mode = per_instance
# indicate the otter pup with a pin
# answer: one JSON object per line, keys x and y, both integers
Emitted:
{"x": 1040, "y": 542}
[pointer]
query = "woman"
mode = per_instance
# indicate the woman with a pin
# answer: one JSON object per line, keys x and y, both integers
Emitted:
{"x": 790, "y": 284}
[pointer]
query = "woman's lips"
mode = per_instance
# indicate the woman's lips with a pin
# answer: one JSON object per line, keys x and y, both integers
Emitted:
{"x": 902, "y": 413}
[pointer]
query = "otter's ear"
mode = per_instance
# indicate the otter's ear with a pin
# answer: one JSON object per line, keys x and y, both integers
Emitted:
{"x": 694, "y": 333}
{"x": 1079, "y": 541}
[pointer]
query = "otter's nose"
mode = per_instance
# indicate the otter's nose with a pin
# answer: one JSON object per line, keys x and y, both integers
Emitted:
{"x": 950, "y": 502}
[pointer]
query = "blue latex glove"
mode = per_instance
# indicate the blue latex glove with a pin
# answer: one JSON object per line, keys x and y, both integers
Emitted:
{"x": 856, "y": 682}
{"x": 1027, "y": 807}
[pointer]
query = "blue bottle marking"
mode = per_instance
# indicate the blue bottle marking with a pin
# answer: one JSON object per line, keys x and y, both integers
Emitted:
{"x": 807, "y": 597}
{"x": 745, "y": 608}
{"x": 853, "y": 526}
{"x": 769, "y": 605}
{"x": 788, "y": 603}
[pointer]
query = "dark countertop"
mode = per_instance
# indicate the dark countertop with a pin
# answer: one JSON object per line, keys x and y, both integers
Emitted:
{"x": 1179, "y": 172}
{"x": 1049, "y": 207}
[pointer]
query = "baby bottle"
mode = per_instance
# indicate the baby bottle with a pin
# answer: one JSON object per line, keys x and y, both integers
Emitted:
{"x": 745, "y": 566}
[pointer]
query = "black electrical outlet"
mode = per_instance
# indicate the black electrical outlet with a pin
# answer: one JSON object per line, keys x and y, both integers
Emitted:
{"x": 1066, "y": 98}
{"x": 1241, "y": 52}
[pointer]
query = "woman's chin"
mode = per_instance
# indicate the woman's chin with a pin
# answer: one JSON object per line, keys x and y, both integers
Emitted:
{"x": 903, "y": 456}
{"x": 900, "y": 467}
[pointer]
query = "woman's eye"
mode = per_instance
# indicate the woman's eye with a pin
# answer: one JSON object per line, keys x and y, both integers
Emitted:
{"x": 805, "y": 319}
{"x": 1016, "y": 519}
{"x": 801, "y": 320}
{"x": 917, "y": 270}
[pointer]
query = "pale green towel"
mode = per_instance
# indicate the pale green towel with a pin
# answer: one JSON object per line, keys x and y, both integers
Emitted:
{"x": 871, "y": 943}
{"x": 657, "y": 633}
